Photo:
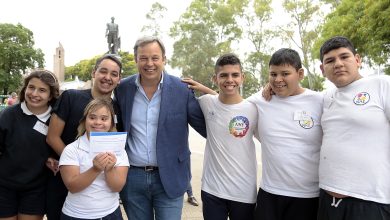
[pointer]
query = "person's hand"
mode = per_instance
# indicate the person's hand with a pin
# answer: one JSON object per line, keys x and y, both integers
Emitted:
{"x": 192, "y": 84}
{"x": 111, "y": 161}
{"x": 100, "y": 161}
{"x": 267, "y": 92}
{"x": 52, "y": 164}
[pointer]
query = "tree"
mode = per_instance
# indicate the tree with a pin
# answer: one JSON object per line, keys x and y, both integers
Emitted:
{"x": 204, "y": 32}
{"x": 17, "y": 55}
{"x": 305, "y": 16}
{"x": 154, "y": 17}
{"x": 366, "y": 23}
{"x": 258, "y": 15}
{"x": 318, "y": 82}
{"x": 83, "y": 69}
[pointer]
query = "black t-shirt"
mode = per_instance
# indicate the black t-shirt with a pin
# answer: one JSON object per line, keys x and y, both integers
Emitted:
{"x": 70, "y": 108}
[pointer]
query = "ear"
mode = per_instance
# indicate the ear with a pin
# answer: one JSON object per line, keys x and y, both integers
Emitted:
{"x": 358, "y": 60}
{"x": 164, "y": 60}
{"x": 93, "y": 73}
{"x": 214, "y": 79}
{"x": 322, "y": 70}
{"x": 301, "y": 74}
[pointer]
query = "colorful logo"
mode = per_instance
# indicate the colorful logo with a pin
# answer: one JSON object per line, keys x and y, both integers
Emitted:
{"x": 361, "y": 98}
{"x": 306, "y": 123}
{"x": 239, "y": 126}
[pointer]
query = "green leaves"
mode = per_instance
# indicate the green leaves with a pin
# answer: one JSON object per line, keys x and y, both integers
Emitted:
{"x": 17, "y": 54}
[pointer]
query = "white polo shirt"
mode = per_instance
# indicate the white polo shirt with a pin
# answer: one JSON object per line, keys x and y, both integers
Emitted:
{"x": 97, "y": 200}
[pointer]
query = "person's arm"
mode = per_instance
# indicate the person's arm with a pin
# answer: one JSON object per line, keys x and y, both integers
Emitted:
{"x": 115, "y": 175}
{"x": 192, "y": 84}
{"x": 76, "y": 181}
{"x": 56, "y": 127}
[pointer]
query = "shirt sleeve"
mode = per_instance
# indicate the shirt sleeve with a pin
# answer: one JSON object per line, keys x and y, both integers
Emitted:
{"x": 69, "y": 156}
{"x": 122, "y": 160}
{"x": 62, "y": 106}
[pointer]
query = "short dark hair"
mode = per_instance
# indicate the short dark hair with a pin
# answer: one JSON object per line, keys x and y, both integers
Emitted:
{"x": 335, "y": 43}
{"x": 46, "y": 77}
{"x": 147, "y": 40}
{"x": 112, "y": 57}
{"x": 227, "y": 59}
{"x": 286, "y": 56}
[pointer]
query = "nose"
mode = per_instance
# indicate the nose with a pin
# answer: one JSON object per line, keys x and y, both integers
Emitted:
{"x": 149, "y": 62}
{"x": 35, "y": 92}
{"x": 278, "y": 78}
{"x": 229, "y": 78}
{"x": 338, "y": 63}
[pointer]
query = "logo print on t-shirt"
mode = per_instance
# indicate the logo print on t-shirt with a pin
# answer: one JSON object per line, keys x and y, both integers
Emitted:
{"x": 239, "y": 126}
{"x": 361, "y": 98}
{"x": 306, "y": 123}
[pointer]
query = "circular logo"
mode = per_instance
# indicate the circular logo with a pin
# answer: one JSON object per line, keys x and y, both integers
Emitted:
{"x": 239, "y": 126}
{"x": 361, "y": 98}
{"x": 306, "y": 123}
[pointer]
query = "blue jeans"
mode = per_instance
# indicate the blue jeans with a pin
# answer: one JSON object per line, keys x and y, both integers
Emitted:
{"x": 144, "y": 197}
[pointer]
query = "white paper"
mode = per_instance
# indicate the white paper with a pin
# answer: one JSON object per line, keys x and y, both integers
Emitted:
{"x": 101, "y": 142}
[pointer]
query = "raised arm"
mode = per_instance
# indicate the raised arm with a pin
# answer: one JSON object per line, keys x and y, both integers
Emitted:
{"x": 192, "y": 84}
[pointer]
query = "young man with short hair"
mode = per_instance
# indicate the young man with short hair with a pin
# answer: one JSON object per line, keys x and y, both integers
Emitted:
{"x": 355, "y": 152}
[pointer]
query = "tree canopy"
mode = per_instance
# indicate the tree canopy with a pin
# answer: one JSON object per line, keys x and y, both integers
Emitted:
{"x": 17, "y": 55}
{"x": 83, "y": 69}
{"x": 366, "y": 23}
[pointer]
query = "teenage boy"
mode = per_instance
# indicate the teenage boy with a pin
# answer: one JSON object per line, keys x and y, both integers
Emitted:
{"x": 230, "y": 167}
{"x": 290, "y": 134}
{"x": 355, "y": 152}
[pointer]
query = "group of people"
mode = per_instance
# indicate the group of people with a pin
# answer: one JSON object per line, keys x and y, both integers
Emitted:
{"x": 324, "y": 155}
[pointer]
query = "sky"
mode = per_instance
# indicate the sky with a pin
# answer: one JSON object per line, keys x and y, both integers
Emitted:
{"x": 80, "y": 25}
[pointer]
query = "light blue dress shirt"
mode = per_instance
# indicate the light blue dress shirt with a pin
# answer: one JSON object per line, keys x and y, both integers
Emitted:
{"x": 144, "y": 123}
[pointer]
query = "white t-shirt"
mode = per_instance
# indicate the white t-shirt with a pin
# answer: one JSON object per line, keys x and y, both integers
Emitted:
{"x": 355, "y": 153}
{"x": 230, "y": 166}
{"x": 97, "y": 200}
{"x": 290, "y": 134}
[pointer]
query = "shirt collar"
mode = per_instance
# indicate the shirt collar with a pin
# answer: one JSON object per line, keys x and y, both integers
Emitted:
{"x": 83, "y": 142}
{"x": 42, "y": 117}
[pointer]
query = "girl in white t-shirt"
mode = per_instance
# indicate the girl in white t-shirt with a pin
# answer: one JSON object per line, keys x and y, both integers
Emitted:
{"x": 93, "y": 182}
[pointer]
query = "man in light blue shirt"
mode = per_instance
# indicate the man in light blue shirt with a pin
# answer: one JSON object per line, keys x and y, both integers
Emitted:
{"x": 155, "y": 109}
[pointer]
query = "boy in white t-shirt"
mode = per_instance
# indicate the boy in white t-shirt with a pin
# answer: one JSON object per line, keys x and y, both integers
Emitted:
{"x": 230, "y": 167}
{"x": 290, "y": 134}
{"x": 355, "y": 152}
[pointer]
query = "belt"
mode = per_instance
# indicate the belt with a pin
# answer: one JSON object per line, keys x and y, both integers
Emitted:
{"x": 146, "y": 168}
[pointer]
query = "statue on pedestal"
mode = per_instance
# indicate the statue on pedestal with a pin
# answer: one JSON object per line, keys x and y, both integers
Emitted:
{"x": 113, "y": 39}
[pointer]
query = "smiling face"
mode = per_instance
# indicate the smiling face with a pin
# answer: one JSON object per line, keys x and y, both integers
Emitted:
{"x": 284, "y": 80}
{"x": 99, "y": 120}
{"x": 341, "y": 66}
{"x": 229, "y": 78}
{"x": 106, "y": 77}
{"x": 37, "y": 95}
{"x": 150, "y": 62}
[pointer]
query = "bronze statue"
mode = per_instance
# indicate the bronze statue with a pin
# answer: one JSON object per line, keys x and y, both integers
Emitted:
{"x": 113, "y": 39}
